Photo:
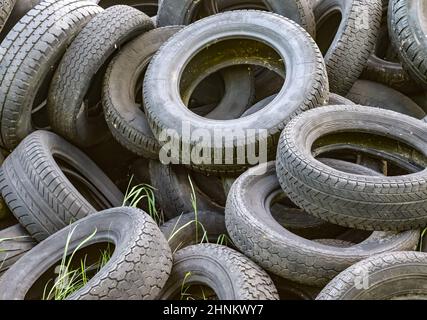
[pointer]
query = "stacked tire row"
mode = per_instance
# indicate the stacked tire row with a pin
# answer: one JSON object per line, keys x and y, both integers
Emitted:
{"x": 295, "y": 129}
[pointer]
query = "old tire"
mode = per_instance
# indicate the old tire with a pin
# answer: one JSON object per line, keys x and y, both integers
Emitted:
{"x": 172, "y": 12}
{"x": 368, "y": 93}
{"x": 389, "y": 276}
{"x": 255, "y": 232}
{"x": 346, "y": 43}
{"x": 128, "y": 274}
{"x": 167, "y": 112}
{"x": 70, "y": 97}
{"x": 407, "y": 22}
{"x": 26, "y": 60}
{"x": 360, "y": 202}
{"x": 14, "y": 243}
{"x": 230, "y": 274}
{"x": 48, "y": 183}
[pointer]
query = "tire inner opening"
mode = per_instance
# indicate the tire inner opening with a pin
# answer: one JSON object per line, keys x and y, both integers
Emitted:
{"x": 68, "y": 275}
{"x": 382, "y": 154}
{"x": 327, "y": 29}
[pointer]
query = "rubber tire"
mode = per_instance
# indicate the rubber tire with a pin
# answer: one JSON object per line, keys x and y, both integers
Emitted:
{"x": 173, "y": 190}
{"x": 6, "y": 7}
{"x": 408, "y": 28}
{"x": 168, "y": 112}
{"x": 390, "y": 275}
{"x": 335, "y": 99}
{"x": 263, "y": 240}
{"x": 229, "y": 273}
{"x": 39, "y": 194}
{"x": 149, "y": 7}
{"x": 20, "y": 8}
{"x": 348, "y": 54}
{"x": 172, "y": 12}
{"x": 124, "y": 116}
{"x": 381, "y": 68}
{"x": 14, "y": 243}
{"x": 26, "y": 60}
{"x": 128, "y": 275}
{"x": 368, "y": 93}
{"x": 213, "y": 223}
{"x": 360, "y": 202}
{"x": 85, "y": 57}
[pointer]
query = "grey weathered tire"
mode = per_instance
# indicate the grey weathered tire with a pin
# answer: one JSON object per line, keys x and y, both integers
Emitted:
{"x": 304, "y": 69}
{"x": 389, "y": 276}
{"x": 124, "y": 116}
{"x": 360, "y": 202}
{"x": 347, "y": 52}
{"x": 172, "y": 12}
{"x": 129, "y": 273}
{"x": 173, "y": 190}
{"x": 210, "y": 221}
{"x": 227, "y": 272}
{"x": 255, "y": 232}
{"x": 6, "y": 7}
{"x": 73, "y": 91}
{"x": 26, "y": 60}
{"x": 373, "y": 94}
{"x": 14, "y": 243}
{"x": 48, "y": 183}
{"x": 407, "y": 22}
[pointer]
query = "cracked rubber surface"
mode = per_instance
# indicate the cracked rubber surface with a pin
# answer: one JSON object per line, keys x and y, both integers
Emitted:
{"x": 39, "y": 192}
{"x": 129, "y": 274}
{"x": 255, "y": 232}
{"x": 73, "y": 91}
{"x": 229, "y": 273}
{"x": 28, "y": 55}
{"x": 393, "y": 275}
{"x": 361, "y": 202}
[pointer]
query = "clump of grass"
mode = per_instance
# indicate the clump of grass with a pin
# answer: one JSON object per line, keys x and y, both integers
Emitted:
{"x": 185, "y": 287}
{"x": 420, "y": 244}
{"x": 134, "y": 195}
{"x": 71, "y": 280}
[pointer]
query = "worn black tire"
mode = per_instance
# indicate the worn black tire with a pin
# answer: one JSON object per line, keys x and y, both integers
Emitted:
{"x": 389, "y": 276}
{"x": 227, "y": 272}
{"x": 360, "y": 202}
{"x": 129, "y": 274}
{"x": 172, "y": 12}
{"x": 27, "y": 60}
{"x": 373, "y": 94}
{"x": 6, "y": 7}
{"x": 347, "y": 52}
{"x": 407, "y": 21}
{"x": 213, "y": 223}
{"x": 35, "y": 183}
{"x": 69, "y": 99}
{"x": 168, "y": 112}
{"x": 14, "y": 243}
{"x": 173, "y": 190}
{"x": 124, "y": 115}
{"x": 255, "y": 232}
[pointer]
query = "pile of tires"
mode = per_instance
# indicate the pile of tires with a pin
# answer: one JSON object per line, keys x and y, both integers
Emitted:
{"x": 226, "y": 149}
